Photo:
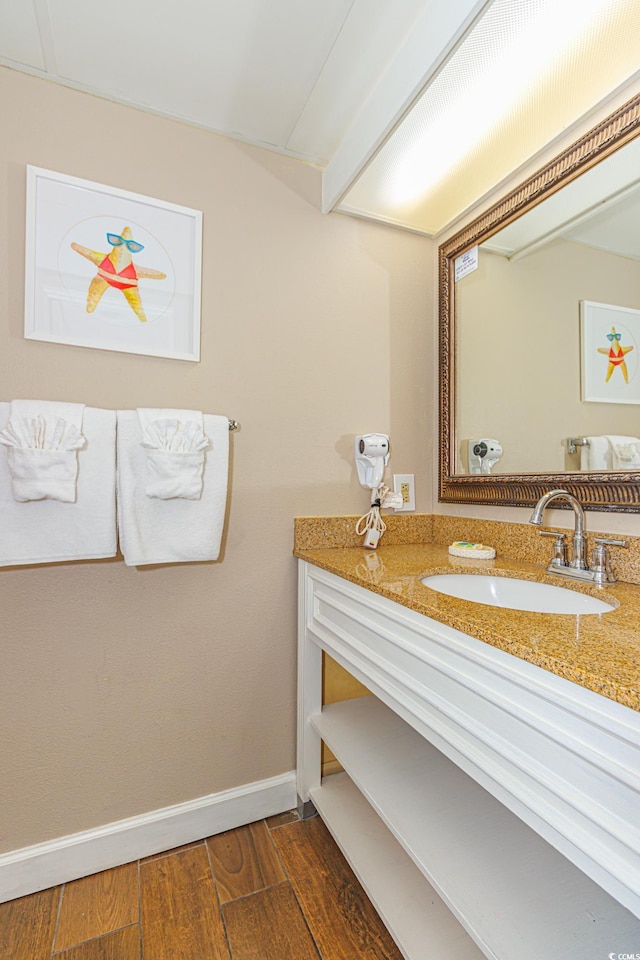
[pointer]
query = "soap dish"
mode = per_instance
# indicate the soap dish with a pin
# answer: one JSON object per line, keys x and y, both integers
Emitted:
{"x": 465, "y": 548}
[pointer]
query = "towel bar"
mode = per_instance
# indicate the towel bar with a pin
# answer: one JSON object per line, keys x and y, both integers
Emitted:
{"x": 234, "y": 425}
{"x": 572, "y": 443}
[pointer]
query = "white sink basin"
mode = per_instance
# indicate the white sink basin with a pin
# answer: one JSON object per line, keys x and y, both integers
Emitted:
{"x": 515, "y": 594}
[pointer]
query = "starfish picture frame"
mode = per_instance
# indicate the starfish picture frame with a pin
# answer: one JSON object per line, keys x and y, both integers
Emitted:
{"x": 610, "y": 353}
{"x": 110, "y": 269}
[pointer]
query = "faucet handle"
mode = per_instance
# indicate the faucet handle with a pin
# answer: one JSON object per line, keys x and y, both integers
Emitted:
{"x": 600, "y": 566}
{"x": 559, "y": 556}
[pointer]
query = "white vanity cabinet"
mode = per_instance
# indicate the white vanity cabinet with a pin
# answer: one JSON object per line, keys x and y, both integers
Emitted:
{"x": 488, "y": 807}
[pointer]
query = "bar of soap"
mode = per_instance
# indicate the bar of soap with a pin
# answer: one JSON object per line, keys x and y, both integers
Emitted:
{"x": 465, "y": 548}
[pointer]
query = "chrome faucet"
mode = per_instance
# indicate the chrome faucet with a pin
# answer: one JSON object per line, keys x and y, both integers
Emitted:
{"x": 578, "y": 559}
{"x": 600, "y": 571}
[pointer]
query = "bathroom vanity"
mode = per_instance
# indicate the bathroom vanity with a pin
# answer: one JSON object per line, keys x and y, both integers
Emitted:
{"x": 490, "y": 797}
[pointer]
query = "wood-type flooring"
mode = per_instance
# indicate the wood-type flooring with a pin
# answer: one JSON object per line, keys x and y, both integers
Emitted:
{"x": 278, "y": 889}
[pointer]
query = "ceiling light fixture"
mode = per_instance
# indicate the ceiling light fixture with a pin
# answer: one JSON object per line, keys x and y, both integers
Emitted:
{"x": 523, "y": 41}
{"x": 528, "y": 71}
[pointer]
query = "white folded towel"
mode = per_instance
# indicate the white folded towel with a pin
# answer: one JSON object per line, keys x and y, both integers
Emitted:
{"x": 177, "y": 529}
{"x": 596, "y": 454}
{"x": 48, "y": 531}
{"x": 71, "y": 412}
{"x": 43, "y": 437}
{"x": 625, "y": 453}
{"x": 174, "y": 445}
{"x": 148, "y": 415}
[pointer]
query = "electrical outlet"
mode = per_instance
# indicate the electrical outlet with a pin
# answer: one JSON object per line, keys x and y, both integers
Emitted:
{"x": 404, "y": 484}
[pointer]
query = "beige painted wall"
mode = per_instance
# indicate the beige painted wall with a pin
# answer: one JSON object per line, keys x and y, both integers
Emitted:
{"x": 125, "y": 690}
{"x": 518, "y": 353}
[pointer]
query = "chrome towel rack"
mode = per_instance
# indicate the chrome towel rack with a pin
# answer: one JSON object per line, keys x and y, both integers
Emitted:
{"x": 572, "y": 443}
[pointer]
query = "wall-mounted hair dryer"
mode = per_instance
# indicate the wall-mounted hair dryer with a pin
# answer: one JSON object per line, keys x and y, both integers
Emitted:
{"x": 372, "y": 456}
{"x": 483, "y": 455}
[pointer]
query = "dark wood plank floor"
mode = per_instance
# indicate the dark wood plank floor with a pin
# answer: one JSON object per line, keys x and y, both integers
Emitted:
{"x": 278, "y": 889}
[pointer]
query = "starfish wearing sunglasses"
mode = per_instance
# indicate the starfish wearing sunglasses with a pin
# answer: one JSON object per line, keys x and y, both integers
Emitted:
{"x": 616, "y": 354}
{"x": 117, "y": 269}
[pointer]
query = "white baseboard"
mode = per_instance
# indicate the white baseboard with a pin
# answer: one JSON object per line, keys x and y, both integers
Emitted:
{"x": 43, "y": 865}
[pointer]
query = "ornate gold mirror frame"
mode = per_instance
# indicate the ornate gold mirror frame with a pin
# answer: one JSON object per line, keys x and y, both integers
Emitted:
{"x": 616, "y": 492}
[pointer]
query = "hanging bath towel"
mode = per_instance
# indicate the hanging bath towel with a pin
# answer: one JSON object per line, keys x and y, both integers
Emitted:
{"x": 66, "y": 510}
{"x": 171, "y": 506}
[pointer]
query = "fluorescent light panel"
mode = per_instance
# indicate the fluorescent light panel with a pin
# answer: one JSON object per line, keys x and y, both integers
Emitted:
{"x": 527, "y": 70}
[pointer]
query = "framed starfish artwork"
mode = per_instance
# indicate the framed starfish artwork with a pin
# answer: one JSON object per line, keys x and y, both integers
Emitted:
{"x": 110, "y": 269}
{"x": 610, "y": 353}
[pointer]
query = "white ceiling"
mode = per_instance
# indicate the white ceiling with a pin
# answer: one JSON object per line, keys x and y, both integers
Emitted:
{"x": 262, "y": 72}
{"x": 325, "y": 81}
{"x": 284, "y": 74}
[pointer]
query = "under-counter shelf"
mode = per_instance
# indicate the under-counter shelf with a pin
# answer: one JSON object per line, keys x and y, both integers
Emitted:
{"x": 515, "y": 895}
{"x": 417, "y": 918}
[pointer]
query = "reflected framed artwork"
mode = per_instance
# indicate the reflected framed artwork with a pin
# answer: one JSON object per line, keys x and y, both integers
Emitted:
{"x": 610, "y": 353}
{"x": 110, "y": 269}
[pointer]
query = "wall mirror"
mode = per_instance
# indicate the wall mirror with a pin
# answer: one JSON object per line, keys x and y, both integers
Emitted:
{"x": 540, "y": 333}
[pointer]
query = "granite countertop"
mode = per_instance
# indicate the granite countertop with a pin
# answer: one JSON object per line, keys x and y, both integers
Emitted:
{"x": 597, "y": 651}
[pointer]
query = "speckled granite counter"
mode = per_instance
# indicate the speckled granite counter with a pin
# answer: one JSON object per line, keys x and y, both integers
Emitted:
{"x": 600, "y": 652}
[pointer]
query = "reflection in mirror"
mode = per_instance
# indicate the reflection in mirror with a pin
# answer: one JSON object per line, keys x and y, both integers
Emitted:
{"x": 518, "y": 325}
{"x": 540, "y": 331}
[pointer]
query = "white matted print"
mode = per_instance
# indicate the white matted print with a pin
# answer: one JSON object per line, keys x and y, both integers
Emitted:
{"x": 110, "y": 269}
{"x": 610, "y": 353}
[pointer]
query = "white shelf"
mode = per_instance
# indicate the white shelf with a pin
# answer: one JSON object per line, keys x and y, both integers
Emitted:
{"x": 415, "y": 915}
{"x": 517, "y": 897}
